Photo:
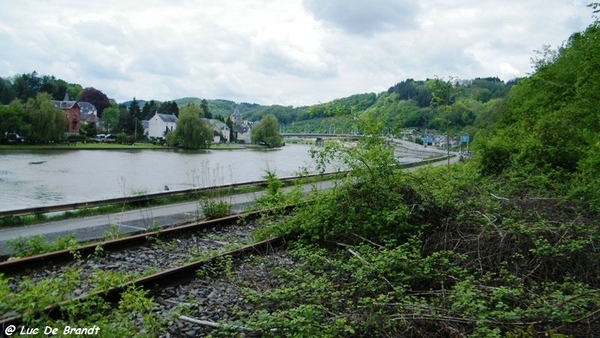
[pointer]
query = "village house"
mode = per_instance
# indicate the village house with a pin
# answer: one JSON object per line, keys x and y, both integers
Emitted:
{"x": 221, "y": 131}
{"x": 88, "y": 113}
{"x": 72, "y": 111}
{"x": 160, "y": 124}
{"x": 242, "y": 134}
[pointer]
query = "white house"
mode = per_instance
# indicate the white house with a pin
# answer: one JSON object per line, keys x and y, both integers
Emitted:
{"x": 242, "y": 133}
{"x": 221, "y": 131}
{"x": 160, "y": 124}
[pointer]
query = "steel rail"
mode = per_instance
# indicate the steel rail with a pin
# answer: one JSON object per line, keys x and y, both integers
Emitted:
{"x": 12, "y": 267}
{"x": 166, "y": 278}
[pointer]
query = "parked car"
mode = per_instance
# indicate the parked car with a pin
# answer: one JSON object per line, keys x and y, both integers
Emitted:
{"x": 100, "y": 138}
{"x": 110, "y": 138}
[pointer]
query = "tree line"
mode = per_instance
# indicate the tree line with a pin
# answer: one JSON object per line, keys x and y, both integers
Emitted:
{"x": 407, "y": 104}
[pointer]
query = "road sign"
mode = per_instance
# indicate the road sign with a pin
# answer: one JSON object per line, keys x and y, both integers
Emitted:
{"x": 464, "y": 139}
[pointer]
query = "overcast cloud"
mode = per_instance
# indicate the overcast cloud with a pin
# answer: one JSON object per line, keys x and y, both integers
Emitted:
{"x": 289, "y": 52}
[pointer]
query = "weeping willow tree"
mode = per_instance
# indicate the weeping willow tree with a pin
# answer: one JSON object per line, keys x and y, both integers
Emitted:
{"x": 191, "y": 131}
{"x": 43, "y": 122}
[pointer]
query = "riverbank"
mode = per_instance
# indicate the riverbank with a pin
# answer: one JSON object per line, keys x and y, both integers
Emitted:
{"x": 115, "y": 146}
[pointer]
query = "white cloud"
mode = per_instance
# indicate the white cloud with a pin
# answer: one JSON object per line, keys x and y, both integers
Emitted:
{"x": 276, "y": 51}
{"x": 365, "y": 17}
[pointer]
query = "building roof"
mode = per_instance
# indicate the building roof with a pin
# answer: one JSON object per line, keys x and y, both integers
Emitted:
{"x": 167, "y": 117}
{"x": 88, "y": 116}
{"x": 241, "y": 129}
{"x": 87, "y": 107}
{"x": 216, "y": 123}
{"x": 64, "y": 104}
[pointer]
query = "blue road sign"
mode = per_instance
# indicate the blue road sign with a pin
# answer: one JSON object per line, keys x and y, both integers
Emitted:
{"x": 464, "y": 139}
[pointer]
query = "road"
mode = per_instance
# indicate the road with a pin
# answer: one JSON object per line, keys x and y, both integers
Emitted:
{"x": 140, "y": 220}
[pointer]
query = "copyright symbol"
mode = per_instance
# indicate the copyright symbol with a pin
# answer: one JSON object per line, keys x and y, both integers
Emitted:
{"x": 10, "y": 330}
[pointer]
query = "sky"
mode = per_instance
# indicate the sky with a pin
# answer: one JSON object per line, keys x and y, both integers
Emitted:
{"x": 287, "y": 52}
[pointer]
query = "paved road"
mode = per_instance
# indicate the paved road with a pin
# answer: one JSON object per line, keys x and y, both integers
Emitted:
{"x": 129, "y": 222}
{"x": 136, "y": 221}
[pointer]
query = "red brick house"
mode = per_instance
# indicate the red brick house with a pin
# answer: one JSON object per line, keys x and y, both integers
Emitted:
{"x": 71, "y": 109}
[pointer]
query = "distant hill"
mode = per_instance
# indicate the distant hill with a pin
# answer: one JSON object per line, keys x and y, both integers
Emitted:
{"x": 222, "y": 107}
{"x": 127, "y": 104}
{"x": 477, "y": 104}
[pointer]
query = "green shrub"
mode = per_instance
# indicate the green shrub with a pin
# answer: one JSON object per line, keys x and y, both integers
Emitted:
{"x": 215, "y": 208}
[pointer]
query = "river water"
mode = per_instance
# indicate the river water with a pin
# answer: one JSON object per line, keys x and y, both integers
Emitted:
{"x": 50, "y": 177}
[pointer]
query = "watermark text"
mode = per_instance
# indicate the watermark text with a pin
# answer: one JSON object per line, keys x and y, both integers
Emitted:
{"x": 51, "y": 331}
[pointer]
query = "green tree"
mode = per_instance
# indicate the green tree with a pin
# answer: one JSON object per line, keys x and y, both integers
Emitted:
{"x": 27, "y": 86}
{"x": 110, "y": 119}
{"x": 74, "y": 90}
{"x": 169, "y": 108}
{"x": 150, "y": 108}
{"x": 191, "y": 131}
{"x": 267, "y": 131}
{"x": 10, "y": 122}
{"x": 6, "y": 91}
{"x": 47, "y": 122}
{"x": 130, "y": 120}
{"x": 204, "y": 106}
{"x": 547, "y": 136}
{"x": 443, "y": 97}
{"x": 89, "y": 130}
{"x": 229, "y": 124}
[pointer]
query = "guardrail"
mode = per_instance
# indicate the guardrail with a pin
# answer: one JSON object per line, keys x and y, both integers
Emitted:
{"x": 139, "y": 199}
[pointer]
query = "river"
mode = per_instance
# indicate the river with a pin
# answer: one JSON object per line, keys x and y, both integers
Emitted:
{"x": 50, "y": 177}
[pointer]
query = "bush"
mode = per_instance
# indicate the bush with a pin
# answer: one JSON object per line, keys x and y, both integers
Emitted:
{"x": 215, "y": 209}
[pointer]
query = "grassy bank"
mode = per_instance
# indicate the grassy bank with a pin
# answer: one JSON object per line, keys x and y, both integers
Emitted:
{"x": 107, "y": 146}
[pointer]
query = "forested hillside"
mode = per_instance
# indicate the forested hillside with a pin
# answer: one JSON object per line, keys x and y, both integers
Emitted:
{"x": 550, "y": 131}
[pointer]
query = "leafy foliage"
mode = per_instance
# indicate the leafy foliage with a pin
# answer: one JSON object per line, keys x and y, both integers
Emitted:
{"x": 95, "y": 97}
{"x": 35, "y": 245}
{"x": 192, "y": 132}
{"x": 38, "y": 120}
{"x": 267, "y": 132}
{"x": 551, "y": 125}
{"x": 213, "y": 209}
{"x": 438, "y": 252}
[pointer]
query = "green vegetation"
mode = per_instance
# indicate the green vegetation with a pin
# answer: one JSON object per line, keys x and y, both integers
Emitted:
{"x": 437, "y": 252}
{"x": 132, "y": 317}
{"x": 38, "y": 120}
{"x": 35, "y": 245}
{"x": 486, "y": 248}
{"x": 191, "y": 131}
{"x": 548, "y": 138}
{"x": 212, "y": 209}
{"x": 267, "y": 132}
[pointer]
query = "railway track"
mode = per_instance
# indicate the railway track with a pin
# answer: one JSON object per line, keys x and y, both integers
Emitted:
{"x": 210, "y": 231}
{"x": 152, "y": 261}
{"x": 170, "y": 287}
